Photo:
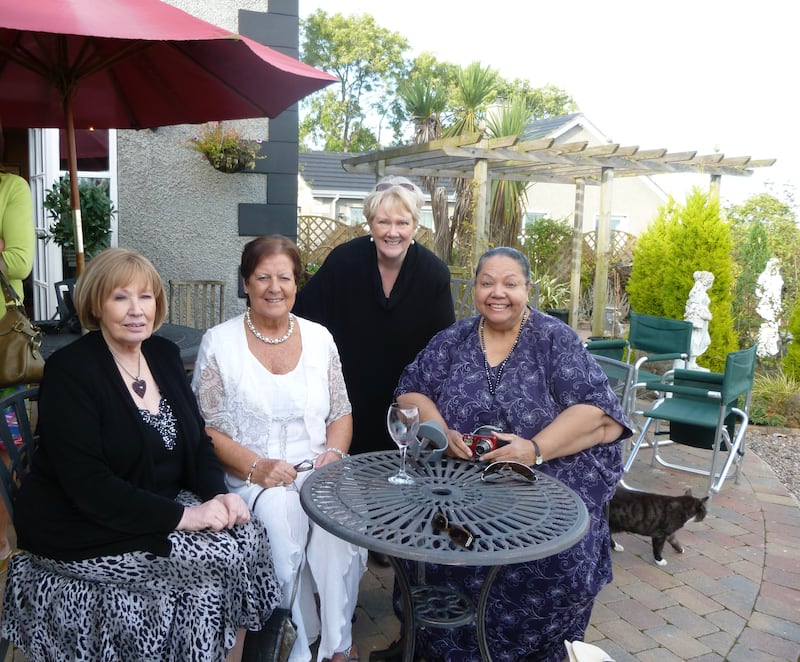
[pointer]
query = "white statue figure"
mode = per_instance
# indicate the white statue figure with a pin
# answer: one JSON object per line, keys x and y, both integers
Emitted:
{"x": 699, "y": 314}
{"x": 768, "y": 291}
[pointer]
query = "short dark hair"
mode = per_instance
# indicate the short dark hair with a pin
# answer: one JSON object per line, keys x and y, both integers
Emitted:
{"x": 276, "y": 244}
{"x": 507, "y": 251}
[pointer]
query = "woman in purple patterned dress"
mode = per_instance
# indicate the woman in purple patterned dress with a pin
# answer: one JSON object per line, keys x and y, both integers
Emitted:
{"x": 529, "y": 375}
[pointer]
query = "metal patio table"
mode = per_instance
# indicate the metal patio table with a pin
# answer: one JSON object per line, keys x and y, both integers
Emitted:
{"x": 512, "y": 519}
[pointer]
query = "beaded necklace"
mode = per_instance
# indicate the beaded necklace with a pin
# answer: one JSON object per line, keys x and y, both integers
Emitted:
{"x": 493, "y": 383}
{"x": 263, "y": 338}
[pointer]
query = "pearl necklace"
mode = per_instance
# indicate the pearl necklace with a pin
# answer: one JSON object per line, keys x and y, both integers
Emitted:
{"x": 263, "y": 338}
{"x": 494, "y": 383}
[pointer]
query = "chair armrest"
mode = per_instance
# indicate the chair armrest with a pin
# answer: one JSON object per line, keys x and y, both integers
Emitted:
{"x": 698, "y": 376}
{"x": 652, "y": 358}
{"x": 690, "y": 391}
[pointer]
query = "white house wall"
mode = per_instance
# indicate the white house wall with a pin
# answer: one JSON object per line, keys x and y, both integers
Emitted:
{"x": 173, "y": 206}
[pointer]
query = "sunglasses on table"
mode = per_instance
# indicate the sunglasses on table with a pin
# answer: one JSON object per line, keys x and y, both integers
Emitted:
{"x": 385, "y": 186}
{"x": 508, "y": 468}
{"x": 458, "y": 534}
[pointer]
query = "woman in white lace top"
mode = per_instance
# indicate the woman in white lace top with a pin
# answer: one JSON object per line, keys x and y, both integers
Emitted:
{"x": 271, "y": 390}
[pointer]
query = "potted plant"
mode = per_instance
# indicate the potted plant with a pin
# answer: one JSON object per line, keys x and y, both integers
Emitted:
{"x": 553, "y": 296}
{"x": 226, "y": 149}
{"x": 96, "y": 213}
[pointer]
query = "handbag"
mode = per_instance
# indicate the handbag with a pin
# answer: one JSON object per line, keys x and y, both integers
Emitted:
{"x": 274, "y": 641}
{"x": 21, "y": 362}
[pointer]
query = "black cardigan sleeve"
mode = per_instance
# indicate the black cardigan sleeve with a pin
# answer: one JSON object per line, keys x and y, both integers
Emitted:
{"x": 92, "y": 488}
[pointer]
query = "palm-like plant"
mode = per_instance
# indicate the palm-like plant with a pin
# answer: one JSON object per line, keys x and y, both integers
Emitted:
{"x": 508, "y": 197}
{"x": 424, "y": 103}
{"x": 475, "y": 86}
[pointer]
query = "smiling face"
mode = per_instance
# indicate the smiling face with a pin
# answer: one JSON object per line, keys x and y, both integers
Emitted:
{"x": 272, "y": 288}
{"x": 501, "y": 293}
{"x": 392, "y": 227}
{"x": 127, "y": 314}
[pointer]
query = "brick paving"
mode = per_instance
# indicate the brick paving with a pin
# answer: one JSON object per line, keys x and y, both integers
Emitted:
{"x": 734, "y": 595}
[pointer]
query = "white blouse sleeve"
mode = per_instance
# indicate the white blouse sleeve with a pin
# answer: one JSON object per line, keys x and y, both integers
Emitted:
{"x": 210, "y": 392}
{"x": 340, "y": 402}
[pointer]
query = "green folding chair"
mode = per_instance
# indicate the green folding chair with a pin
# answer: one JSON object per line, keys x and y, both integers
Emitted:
{"x": 610, "y": 348}
{"x": 705, "y": 410}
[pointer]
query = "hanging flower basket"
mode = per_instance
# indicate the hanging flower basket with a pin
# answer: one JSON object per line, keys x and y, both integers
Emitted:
{"x": 231, "y": 164}
{"x": 225, "y": 149}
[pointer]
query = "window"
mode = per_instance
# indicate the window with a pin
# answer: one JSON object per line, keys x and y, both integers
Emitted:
{"x": 616, "y": 221}
{"x": 531, "y": 216}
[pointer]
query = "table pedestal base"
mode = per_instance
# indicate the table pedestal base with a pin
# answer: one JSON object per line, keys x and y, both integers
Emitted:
{"x": 436, "y": 607}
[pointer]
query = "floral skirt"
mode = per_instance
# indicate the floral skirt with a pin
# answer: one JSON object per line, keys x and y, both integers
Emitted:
{"x": 141, "y": 607}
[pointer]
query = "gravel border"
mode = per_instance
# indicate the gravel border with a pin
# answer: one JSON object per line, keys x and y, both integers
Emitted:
{"x": 780, "y": 449}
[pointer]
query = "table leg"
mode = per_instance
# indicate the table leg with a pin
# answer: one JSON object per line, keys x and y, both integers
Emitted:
{"x": 408, "y": 640}
{"x": 480, "y": 616}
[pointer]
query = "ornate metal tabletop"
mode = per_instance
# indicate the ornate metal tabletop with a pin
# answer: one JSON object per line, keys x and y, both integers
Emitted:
{"x": 512, "y": 519}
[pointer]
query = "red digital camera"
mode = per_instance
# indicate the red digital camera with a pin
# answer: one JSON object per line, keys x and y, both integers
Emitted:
{"x": 481, "y": 443}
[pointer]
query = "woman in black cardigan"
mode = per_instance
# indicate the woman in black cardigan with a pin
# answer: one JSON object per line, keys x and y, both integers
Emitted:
{"x": 134, "y": 549}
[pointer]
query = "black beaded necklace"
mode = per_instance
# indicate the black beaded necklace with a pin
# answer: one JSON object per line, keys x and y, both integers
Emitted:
{"x": 494, "y": 383}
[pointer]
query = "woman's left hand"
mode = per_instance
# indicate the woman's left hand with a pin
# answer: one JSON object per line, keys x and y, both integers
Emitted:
{"x": 326, "y": 457}
{"x": 238, "y": 512}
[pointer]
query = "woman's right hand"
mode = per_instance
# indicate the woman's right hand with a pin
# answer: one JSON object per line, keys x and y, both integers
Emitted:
{"x": 456, "y": 446}
{"x": 273, "y": 473}
{"x": 213, "y": 514}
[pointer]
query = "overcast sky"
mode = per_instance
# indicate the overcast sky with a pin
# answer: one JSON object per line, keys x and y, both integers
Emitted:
{"x": 683, "y": 75}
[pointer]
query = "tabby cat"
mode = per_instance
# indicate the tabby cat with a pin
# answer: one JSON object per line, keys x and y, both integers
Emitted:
{"x": 656, "y": 515}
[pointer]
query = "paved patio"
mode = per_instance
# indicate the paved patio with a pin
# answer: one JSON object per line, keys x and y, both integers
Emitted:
{"x": 734, "y": 595}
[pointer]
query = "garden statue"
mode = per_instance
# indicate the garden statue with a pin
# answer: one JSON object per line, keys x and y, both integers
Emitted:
{"x": 768, "y": 291}
{"x": 697, "y": 312}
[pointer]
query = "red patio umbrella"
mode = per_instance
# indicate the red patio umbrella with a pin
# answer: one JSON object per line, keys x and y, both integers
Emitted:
{"x": 134, "y": 64}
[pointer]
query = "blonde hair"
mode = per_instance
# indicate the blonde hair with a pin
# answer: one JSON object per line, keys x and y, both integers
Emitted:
{"x": 395, "y": 190}
{"x": 108, "y": 270}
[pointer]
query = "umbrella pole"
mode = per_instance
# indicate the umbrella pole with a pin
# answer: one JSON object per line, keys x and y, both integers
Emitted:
{"x": 72, "y": 165}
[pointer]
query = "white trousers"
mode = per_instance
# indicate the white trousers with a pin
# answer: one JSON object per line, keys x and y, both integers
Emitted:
{"x": 329, "y": 566}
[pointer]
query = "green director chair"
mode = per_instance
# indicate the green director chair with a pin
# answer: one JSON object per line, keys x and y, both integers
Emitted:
{"x": 705, "y": 410}
{"x": 656, "y": 340}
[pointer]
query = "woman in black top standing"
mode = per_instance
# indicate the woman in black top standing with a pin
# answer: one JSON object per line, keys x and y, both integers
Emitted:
{"x": 383, "y": 297}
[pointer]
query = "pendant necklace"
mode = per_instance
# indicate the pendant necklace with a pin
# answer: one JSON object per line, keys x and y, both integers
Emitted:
{"x": 263, "y": 338}
{"x": 493, "y": 383}
{"x": 138, "y": 385}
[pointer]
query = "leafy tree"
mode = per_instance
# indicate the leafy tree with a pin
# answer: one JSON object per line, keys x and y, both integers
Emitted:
{"x": 543, "y": 242}
{"x": 541, "y": 102}
{"x": 702, "y": 241}
{"x": 649, "y": 255}
{"x": 750, "y": 257}
{"x": 684, "y": 239}
{"x": 791, "y": 362}
{"x": 368, "y": 61}
{"x": 778, "y": 219}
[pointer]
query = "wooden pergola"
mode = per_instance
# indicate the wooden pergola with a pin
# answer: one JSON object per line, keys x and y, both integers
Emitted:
{"x": 548, "y": 161}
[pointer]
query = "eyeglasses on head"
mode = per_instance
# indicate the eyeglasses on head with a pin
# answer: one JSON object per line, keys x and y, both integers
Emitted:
{"x": 385, "y": 186}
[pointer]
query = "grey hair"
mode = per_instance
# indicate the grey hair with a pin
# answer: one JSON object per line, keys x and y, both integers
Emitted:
{"x": 507, "y": 251}
{"x": 398, "y": 192}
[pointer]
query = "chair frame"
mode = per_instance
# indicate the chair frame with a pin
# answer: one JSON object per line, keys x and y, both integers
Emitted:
{"x": 20, "y": 457}
{"x": 709, "y": 400}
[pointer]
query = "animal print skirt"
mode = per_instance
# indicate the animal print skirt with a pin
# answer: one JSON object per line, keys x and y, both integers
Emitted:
{"x": 142, "y": 607}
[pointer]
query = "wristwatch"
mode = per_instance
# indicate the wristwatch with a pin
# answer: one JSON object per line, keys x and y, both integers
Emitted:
{"x": 539, "y": 458}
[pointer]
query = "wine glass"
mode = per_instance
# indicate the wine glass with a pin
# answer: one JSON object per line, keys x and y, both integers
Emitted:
{"x": 403, "y": 424}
